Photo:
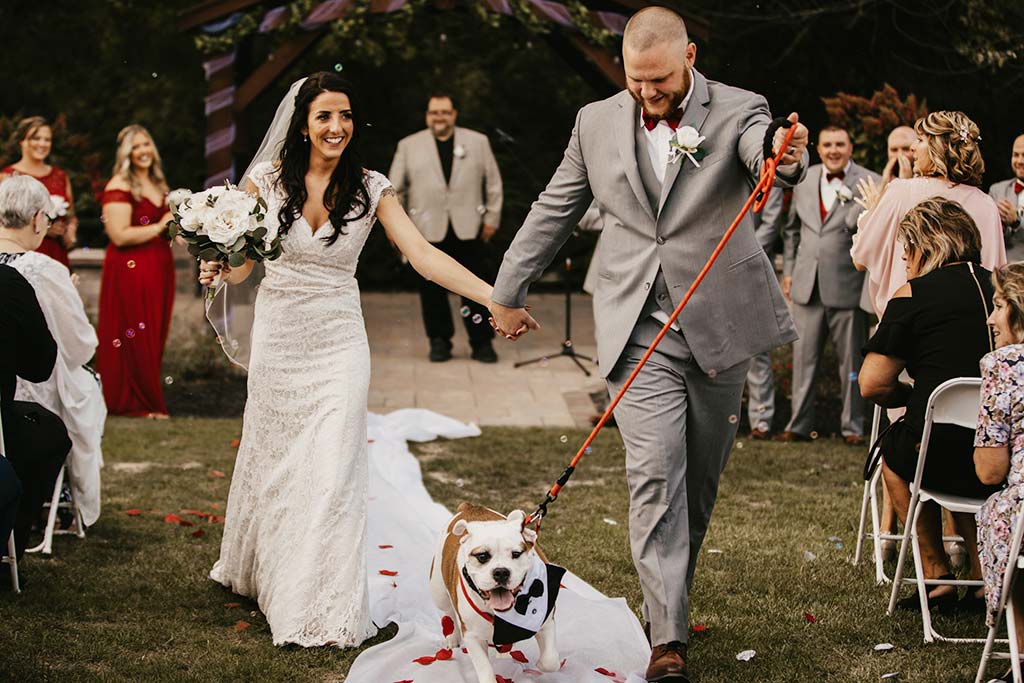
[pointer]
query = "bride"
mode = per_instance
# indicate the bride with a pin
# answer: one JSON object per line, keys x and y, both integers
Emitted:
{"x": 295, "y": 530}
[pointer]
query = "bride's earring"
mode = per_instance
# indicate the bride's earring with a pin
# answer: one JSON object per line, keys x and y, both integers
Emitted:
{"x": 305, "y": 138}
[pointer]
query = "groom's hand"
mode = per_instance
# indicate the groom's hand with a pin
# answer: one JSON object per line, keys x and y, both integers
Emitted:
{"x": 511, "y": 323}
{"x": 795, "y": 152}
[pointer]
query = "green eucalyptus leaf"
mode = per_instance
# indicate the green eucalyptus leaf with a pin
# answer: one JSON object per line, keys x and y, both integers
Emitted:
{"x": 236, "y": 260}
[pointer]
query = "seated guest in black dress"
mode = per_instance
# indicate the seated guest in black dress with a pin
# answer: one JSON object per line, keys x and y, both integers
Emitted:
{"x": 935, "y": 328}
{"x": 35, "y": 440}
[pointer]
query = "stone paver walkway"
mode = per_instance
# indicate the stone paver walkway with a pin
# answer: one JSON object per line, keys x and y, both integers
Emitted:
{"x": 552, "y": 393}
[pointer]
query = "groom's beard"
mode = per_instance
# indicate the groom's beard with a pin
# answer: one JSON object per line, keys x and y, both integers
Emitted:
{"x": 673, "y": 99}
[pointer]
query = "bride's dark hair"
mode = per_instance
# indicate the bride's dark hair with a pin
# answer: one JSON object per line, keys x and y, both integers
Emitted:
{"x": 345, "y": 197}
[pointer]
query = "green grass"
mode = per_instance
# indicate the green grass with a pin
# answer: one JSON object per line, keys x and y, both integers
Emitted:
{"x": 132, "y": 602}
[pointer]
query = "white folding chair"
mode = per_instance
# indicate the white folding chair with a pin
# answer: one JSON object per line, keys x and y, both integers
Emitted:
{"x": 1013, "y": 565}
{"x": 77, "y": 525}
{"x": 955, "y": 401}
{"x": 11, "y": 558}
{"x": 870, "y": 501}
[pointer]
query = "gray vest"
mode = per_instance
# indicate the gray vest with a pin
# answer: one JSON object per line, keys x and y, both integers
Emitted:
{"x": 659, "y": 296}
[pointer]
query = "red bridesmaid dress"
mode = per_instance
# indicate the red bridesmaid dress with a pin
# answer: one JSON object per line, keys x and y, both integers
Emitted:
{"x": 136, "y": 298}
{"x": 56, "y": 182}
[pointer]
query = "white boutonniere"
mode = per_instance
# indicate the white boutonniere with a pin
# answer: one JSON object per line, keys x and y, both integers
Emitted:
{"x": 459, "y": 151}
{"x": 686, "y": 141}
{"x": 843, "y": 194}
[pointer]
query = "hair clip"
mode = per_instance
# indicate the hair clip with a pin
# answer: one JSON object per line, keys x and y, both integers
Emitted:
{"x": 965, "y": 135}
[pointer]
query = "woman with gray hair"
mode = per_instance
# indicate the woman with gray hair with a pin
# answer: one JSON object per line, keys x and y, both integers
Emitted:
{"x": 71, "y": 392}
{"x": 935, "y": 328}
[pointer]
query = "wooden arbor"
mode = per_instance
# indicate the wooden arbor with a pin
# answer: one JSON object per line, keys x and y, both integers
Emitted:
{"x": 229, "y": 93}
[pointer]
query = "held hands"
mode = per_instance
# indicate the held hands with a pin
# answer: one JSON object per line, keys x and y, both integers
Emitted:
{"x": 795, "y": 153}
{"x": 209, "y": 270}
{"x": 511, "y": 323}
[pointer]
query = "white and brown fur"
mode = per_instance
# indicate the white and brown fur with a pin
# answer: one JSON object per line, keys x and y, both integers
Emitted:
{"x": 452, "y": 554}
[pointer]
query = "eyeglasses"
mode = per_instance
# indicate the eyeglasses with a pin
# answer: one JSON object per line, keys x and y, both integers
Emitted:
{"x": 49, "y": 219}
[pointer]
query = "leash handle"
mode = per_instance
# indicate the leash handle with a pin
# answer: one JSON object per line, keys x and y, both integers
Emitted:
{"x": 760, "y": 191}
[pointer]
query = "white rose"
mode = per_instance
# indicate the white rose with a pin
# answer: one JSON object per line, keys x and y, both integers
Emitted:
{"x": 193, "y": 215}
{"x": 231, "y": 217}
{"x": 688, "y": 138}
{"x": 177, "y": 198}
{"x": 58, "y": 206}
{"x": 459, "y": 151}
{"x": 844, "y": 193}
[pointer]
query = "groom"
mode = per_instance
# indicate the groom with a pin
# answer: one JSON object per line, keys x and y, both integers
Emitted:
{"x": 663, "y": 217}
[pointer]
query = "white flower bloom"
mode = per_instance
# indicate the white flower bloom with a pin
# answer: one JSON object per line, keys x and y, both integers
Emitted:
{"x": 58, "y": 206}
{"x": 177, "y": 198}
{"x": 688, "y": 138}
{"x": 231, "y": 217}
{"x": 459, "y": 151}
{"x": 843, "y": 193}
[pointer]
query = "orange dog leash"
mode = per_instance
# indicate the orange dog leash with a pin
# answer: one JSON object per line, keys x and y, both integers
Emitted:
{"x": 757, "y": 199}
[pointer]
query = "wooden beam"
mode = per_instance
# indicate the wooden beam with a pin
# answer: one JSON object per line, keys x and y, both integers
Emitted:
{"x": 205, "y": 12}
{"x": 594, "y": 64}
{"x": 600, "y": 58}
{"x": 276, "y": 64}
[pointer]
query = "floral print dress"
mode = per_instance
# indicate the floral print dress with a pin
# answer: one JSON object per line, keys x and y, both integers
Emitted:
{"x": 1001, "y": 423}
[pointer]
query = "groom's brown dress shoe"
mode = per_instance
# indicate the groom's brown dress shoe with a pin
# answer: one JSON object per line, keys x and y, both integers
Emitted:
{"x": 668, "y": 664}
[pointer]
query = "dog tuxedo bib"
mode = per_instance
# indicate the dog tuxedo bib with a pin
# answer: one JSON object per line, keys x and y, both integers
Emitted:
{"x": 533, "y": 605}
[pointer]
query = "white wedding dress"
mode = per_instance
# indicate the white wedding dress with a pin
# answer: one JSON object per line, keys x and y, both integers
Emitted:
{"x": 295, "y": 528}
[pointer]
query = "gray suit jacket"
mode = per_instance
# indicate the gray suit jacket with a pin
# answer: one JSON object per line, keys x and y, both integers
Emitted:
{"x": 1011, "y": 233}
{"x": 738, "y": 311}
{"x": 820, "y": 250}
{"x": 472, "y": 196}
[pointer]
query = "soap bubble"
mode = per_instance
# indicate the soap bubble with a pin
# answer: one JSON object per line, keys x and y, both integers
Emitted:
{"x": 131, "y": 264}
{"x": 130, "y": 333}
{"x": 464, "y": 311}
{"x": 339, "y": 67}
{"x": 563, "y": 438}
{"x": 814, "y": 435}
{"x": 142, "y": 326}
{"x": 144, "y": 220}
{"x": 712, "y": 373}
{"x": 733, "y": 419}
{"x": 116, "y": 343}
{"x": 168, "y": 380}
{"x": 477, "y": 319}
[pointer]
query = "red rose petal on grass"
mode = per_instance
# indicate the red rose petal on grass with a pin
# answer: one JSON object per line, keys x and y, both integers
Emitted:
{"x": 443, "y": 654}
{"x": 215, "y": 506}
{"x": 236, "y": 443}
{"x": 175, "y": 519}
{"x": 215, "y": 518}
{"x": 810, "y": 617}
{"x": 698, "y": 628}
{"x": 197, "y": 513}
{"x": 217, "y": 474}
{"x": 605, "y": 672}
{"x": 519, "y": 656}
{"x": 241, "y": 625}
{"x": 198, "y": 533}
{"x": 134, "y": 512}
{"x": 232, "y": 604}
{"x": 385, "y": 547}
{"x": 425, "y": 660}
{"x": 447, "y": 626}
{"x": 388, "y": 572}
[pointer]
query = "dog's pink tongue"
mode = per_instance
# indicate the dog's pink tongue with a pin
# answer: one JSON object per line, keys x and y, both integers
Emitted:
{"x": 501, "y": 600}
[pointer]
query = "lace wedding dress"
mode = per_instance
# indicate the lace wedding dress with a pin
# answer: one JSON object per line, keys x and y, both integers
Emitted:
{"x": 295, "y": 529}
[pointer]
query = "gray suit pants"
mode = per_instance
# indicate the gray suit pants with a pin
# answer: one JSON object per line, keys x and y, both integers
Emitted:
{"x": 848, "y": 329}
{"x": 761, "y": 392}
{"x": 678, "y": 425}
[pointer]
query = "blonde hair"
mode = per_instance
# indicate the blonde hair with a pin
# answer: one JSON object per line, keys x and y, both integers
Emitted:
{"x": 953, "y": 149}
{"x": 1009, "y": 283}
{"x": 123, "y": 161}
{"x": 942, "y": 232}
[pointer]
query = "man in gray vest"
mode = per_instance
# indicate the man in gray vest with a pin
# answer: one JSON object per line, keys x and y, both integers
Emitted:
{"x": 824, "y": 285}
{"x": 671, "y": 162}
{"x": 1009, "y": 197}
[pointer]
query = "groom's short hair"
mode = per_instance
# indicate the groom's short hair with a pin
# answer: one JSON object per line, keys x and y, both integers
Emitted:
{"x": 441, "y": 95}
{"x": 654, "y": 26}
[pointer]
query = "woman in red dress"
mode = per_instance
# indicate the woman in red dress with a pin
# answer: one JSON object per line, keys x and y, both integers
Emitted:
{"x": 35, "y": 137}
{"x": 137, "y": 291}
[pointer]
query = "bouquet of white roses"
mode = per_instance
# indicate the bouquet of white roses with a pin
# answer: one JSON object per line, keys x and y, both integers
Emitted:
{"x": 224, "y": 224}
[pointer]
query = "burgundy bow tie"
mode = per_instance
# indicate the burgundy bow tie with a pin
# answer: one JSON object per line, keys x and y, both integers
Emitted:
{"x": 829, "y": 177}
{"x": 1018, "y": 187}
{"x": 672, "y": 120}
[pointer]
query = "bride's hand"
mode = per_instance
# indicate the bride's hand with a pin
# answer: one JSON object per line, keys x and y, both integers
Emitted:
{"x": 209, "y": 270}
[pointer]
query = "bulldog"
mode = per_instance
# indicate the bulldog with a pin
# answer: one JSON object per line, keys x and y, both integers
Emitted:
{"x": 492, "y": 582}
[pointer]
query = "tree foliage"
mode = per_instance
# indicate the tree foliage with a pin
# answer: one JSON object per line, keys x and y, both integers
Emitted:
{"x": 868, "y": 120}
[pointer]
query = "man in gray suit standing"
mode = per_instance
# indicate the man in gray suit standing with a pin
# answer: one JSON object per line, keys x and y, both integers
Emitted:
{"x": 670, "y": 162}
{"x": 823, "y": 284}
{"x": 1009, "y": 197}
{"x": 448, "y": 181}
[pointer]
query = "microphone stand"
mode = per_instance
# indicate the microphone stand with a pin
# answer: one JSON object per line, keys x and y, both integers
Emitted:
{"x": 567, "y": 349}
